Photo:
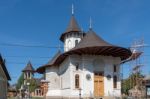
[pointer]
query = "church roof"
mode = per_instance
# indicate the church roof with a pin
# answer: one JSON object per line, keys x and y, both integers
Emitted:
{"x": 134, "y": 56}
{"x": 90, "y": 44}
{"x": 28, "y": 67}
{"x": 72, "y": 27}
{"x": 52, "y": 62}
{"x": 94, "y": 39}
{"x": 2, "y": 64}
{"x": 93, "y": 44}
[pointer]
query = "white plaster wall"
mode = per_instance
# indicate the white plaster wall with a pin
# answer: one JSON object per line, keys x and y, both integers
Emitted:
{"x": 64, "y": 72}
{"x": 90, "y": 64}
{"x": 53, "y": 77}
{"x": 85, "y": 85}
{"x": 108, "y": 84}
{"x": 87, "y": 65}
{"x": 70, "y": 42}
{"x": 88, "y": 88}
{"x": 109, "y": 90}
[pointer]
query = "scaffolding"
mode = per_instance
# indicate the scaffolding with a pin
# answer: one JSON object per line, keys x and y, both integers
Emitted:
{"x": 136, "y": 62}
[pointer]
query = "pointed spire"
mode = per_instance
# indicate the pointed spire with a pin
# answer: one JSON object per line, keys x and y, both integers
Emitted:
{"x": 28, "y": 67}
{"x": 73, "y": 25}
{"x": 72, "y": 9}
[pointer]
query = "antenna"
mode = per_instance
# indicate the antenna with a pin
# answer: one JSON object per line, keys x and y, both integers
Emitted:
{"x": 72, "y": 9}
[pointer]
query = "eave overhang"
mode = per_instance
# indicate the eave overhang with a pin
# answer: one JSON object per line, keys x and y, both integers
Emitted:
{"x": 113, "y": 51}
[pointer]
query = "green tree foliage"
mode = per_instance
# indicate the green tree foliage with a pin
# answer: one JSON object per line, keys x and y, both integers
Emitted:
{"x": 20, "y": 81}
{"x": 130, "y": 82}
{"x": 33, "y": 85}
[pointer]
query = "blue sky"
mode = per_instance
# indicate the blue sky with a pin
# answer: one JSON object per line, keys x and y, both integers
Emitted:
{"x": 41, "y": 22}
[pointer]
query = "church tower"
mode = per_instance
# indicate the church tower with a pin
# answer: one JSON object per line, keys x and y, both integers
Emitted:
{"x": 28, "y": 72}
{"x": 73, "y": 34}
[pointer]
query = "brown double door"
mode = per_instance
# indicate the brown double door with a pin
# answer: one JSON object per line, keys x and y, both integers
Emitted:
{"x": 98, "y": 84}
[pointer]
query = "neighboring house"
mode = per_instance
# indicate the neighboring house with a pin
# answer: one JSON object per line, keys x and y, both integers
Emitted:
{"x": 30, "y": 81}
{"x": 147, "y": 85}
{"x": 12, "y": 91}
{"x": 4, "y": 78}
{"x": 142, "y": 88}
{"x": 88, "y": 67}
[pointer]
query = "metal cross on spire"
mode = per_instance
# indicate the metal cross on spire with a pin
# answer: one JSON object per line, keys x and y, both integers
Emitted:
{"x": 72, "y": 9}
{"x": 90, "y": 26}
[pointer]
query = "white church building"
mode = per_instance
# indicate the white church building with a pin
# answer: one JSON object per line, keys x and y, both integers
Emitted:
{"x": 88, "y": 67}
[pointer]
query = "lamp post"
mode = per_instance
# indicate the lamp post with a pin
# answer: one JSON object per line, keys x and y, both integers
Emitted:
{"x": 28, "y": 84}
{"x": 80, "y": 93}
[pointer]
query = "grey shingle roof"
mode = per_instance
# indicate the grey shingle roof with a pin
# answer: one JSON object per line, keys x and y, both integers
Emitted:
{"x": 95, "y": 45}
{"x": 91, "y": 39}
{"x": 28, "y": 67}
{"x": 72, "y": 27}
{"x": 50, "y": 63}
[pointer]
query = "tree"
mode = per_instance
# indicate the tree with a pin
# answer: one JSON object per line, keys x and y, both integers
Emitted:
{"x": 33, "y": 85}
{"x": 130, "y": 82}
{"x": 20, "y": 81}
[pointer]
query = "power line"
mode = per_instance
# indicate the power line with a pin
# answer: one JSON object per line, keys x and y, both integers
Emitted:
{"x": 28, "y": 57}
{"x": 33, "y": 46}
{"x": 22, "y": 63}
{"x": 40, "y": 46}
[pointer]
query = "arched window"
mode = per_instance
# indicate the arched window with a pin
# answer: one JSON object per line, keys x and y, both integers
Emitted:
{"x": 76, "y": 42}
{"x": 69, "y": 44}
{"x": 77, "y": 81}
{"x": 115, "y": 81}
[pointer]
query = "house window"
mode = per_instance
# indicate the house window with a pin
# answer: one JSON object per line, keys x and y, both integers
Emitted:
{"x": 76, "y": 42}
{"x": 77, "y": 81}
{"x": 115, "y": 81}
{"x": 115, "y": 68}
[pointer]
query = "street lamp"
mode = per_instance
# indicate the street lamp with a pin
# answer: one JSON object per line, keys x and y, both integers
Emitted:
{"x": 80, "y": 93}
{"x": 28, "y": 84}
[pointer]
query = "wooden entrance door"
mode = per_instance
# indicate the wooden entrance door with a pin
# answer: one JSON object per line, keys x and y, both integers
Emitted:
{"x": 98, "y": 84}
